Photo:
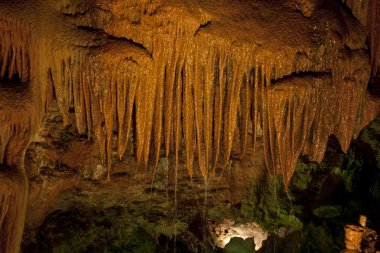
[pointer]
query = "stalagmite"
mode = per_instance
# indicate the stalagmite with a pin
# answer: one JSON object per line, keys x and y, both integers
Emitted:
{"x": 193, "y": 76}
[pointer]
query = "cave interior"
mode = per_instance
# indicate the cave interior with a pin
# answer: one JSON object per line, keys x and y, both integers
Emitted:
{"x": 189, "y": 126}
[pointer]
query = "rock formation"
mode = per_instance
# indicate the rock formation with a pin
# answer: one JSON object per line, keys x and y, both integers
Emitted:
{"x": 368, "y": 13}
{"x": 177, "y": 77}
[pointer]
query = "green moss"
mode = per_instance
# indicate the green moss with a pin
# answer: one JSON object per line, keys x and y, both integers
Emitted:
{"x": 328, "y": 211}
{"x": 303, "y": 175}
{"x": 270, "y": 206}
{"x": 239, "y": 245}
{"x": 320, "y": 193}
{"x": 375, "y": 190}
{"x": 134, "y": 241}
{"x": 318, "y": 239}
{"x": 347, "y": 175}
{"x": 368, "y": 134}
{"x": 312, "y": 208}
{"x": 166, "y": 227}
{"x": 105, "y": 231}
{"x": 371, "y": 136}
{"x": 100, "y": 239}
{"x": 59, "y": 249}
{"x": 224, "y": 210}
{"x": 306, "y": 174}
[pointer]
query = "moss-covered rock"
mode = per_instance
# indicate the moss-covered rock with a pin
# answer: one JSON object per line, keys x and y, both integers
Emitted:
{"x": 328, "y": 211}
{"x": 239, "y": 245}
{"x": 270, "y": 205}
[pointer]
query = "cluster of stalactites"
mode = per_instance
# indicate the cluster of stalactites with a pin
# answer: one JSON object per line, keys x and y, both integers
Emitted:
{"x": 190, "y": 98}
{"x": 200, "y": 99}
{"x": 16, "y": 128}
{"x": 16, "y": 113}
{"x": 104, "y": 91}
{"x": 301, "y": 115}
{"x": 14, "y": 50}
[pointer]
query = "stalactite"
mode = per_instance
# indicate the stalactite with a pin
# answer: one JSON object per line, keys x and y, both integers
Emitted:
{"x": 151, "y": 96}
{"x": 14, "y": 49}
{"x": 159, "y": 108}
{"x": 265, "y": 122}
{"x": 19, "y": 120}
{"x": 198, "y": 108}
{"x": 292, "y": 105}
{"x": 183, "y": 94}
{"x": 208, "y": 93}
{"x": 122, "y": 91}
{"x": 188, "y": 77}
{"x": 232, "y": 100}
{"x": 244, "y": 114}
{"x": 255, "y": 103}
{"x": 189, "y": 114}
{"x": 168, "y": 91}
{"x": 218, "y": 104}
{"x": 213, "y": 94}
{"x": 178, "y": 106}
{"x": 130, "y": 86}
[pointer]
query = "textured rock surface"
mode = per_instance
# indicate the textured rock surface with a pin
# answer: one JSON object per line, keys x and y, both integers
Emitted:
{"x": 224, "y": 230}
{"x": 58, "y": 164}
{"x": 163, "y": 79}
{"x": 368, "y": 13}
{"x": 83, "y": 214}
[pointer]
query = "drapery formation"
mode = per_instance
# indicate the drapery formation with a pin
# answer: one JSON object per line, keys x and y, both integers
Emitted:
{"x": 187, "y": 88}
{"x": 185, "y": 79}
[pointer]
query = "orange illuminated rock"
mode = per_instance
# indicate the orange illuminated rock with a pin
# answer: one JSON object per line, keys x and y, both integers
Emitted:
{"x": 353, "y": 237}
{"x": 187, "y": 75}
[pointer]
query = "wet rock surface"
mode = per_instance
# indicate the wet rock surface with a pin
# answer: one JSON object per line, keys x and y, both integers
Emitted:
{"x": 158, "y": 97}
{"x": 66, "y": 204}
{"x": 141, "y": 216}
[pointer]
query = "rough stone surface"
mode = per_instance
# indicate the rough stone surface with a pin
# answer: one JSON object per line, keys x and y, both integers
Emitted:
{"x": 171, "y": 89}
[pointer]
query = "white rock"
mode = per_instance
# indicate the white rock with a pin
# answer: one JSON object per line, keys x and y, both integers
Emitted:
{"x": 98, "y": 172}
{"x": 223, "y": 231}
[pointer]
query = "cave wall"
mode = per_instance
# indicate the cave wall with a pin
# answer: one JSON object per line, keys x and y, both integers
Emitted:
{"x": 164, "y": 79}
{"x": 368, "y": 13}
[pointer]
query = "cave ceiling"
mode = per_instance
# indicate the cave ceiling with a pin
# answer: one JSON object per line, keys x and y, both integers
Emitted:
{"x": 185, "y": 78}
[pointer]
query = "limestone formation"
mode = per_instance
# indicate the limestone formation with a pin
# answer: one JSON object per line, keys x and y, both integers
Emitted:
{"x": 368, "y": 13}
{"x": 223, "y": 231}
{"x": 172, "y": 76}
